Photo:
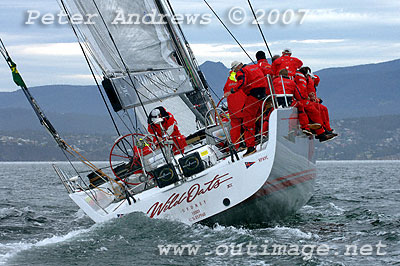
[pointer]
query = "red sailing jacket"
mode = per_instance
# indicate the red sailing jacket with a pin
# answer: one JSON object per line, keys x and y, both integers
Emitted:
{"x": 166, "y": 125}
{"x": 301, "y": 83}
{"x": 235, "y": 100}
{"x": 170, "y": 129}
{"x": 316, "y": 80}
{"x": 250, "y": 77}
{"x": 290, "y": 87}
{"x": 265, "y": 67}
{"x": 288, "y": 62}
{"x": 310, "y": 86}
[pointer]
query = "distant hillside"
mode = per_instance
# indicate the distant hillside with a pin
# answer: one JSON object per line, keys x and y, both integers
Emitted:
{"x": 359, "y": 139}
{"x": 38, "y": 146}
{"x": 20, "y": 119}
{"x": 60, "y": 99}
{"x": 358, "y": 91}
{"x": 216, "y": 74}
{"x": 363, "y": 139}
{"x": 361, "y": 91}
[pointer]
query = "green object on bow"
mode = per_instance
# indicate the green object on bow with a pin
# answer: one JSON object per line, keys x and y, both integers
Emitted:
{"x": 15, "y": 74}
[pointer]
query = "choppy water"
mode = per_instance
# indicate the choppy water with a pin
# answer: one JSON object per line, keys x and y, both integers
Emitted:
{"x": 355, "y": 203}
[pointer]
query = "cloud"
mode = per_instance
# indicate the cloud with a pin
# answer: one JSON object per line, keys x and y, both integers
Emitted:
{"x": 341, "y": 15}
{"x": 316, "y": 53}
{"x": 80, "y": 78}
{"x": 50, "y": 49}
{"x": 334, "y": 33}
{"x": 318, "y": 41}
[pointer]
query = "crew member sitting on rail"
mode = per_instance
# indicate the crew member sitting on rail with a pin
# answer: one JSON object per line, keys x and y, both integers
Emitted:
{"x": 310, "y": 82}
{"x": 307, "y": 110}
{"x": 163, "y": 126}
{"x": 284, "y": 85}
{"x": 252, "y": 82}
{"x": 314, "y": 81}
{"x": 286, "y": 61}
{"x": 235, "y": 105}
{"x": 301, "y": 82}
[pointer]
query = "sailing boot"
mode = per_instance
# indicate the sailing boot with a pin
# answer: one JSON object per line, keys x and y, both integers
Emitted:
{"x": 324, "y": 137}
{"x": 314, "y": 126}
{"x": 307, "y": 132}
{"x": 331, "y": 132}
{"x": 250, "y": 150}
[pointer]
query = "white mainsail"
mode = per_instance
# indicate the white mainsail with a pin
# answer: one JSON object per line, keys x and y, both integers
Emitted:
{"x": 144, "y": 46}
{"x": 147, "y": 50}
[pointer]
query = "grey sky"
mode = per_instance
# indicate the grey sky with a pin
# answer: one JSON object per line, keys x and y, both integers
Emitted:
{"x": 334, "y": 33}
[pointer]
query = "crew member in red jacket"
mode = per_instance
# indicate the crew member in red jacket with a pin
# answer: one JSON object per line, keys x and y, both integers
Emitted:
{"x": 265, "y": 67}
{"x": 286, "y": 61}
{"x": 322, "y": 108}
{"x": 292, "y": 88}
{"x": 252, "y": 82}
{"x": 301, "y": 82}
{"x": 316, "y": 80}
{"x": 284, "y": 85}
{"x": 235, "y": 105}
{"x": 310, "y": 82}
{"x": 163, "y": 126}
{"x": 307, "y": 109}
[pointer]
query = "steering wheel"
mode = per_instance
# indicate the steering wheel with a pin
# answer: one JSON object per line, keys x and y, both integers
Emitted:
{"x": 129, "y": 149}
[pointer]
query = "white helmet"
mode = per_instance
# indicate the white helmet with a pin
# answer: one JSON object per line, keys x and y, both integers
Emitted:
{"x": 235, "y": 64}
{"x": 287, "y": 51}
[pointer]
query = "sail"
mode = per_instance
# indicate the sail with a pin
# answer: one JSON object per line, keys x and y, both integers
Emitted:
{"x": 138, "y": 57}
{"x": 150, "y": 86}
{"x": 176, "y": 106}
{"x": 126, "y": 34}
{"x": 143, "y": 45}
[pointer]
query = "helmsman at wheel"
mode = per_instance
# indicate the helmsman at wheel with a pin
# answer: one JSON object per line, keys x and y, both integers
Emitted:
{"x": 163, "y": 126}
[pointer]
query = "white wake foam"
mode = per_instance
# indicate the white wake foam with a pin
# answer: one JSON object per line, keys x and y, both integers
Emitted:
{"x": 9, "y": 250}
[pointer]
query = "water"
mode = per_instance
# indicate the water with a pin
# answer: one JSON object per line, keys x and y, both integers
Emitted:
{"x": 355, "y": 203}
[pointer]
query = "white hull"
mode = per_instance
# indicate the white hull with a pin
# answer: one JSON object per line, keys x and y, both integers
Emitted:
{"x": 276, "y": 180}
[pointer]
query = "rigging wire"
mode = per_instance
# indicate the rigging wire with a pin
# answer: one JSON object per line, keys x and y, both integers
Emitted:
{"x": 123, "y": 121}
{"x": 258, "y": 25}
{"x": 101, "y": 43}
{"x": 127, "y": 71}
{"x": 3, "y": 50}
{"x": 187, "y": 44}
{"x": 90, "y": 67}
{"x": 42, "y": 118}
{"x": 229, "y": 31}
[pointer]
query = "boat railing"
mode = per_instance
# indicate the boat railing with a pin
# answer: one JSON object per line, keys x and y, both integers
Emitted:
{"x": 64, "y": 179}
{"x": 271, "y": 102}
{"x": 218, "y": 131}
{"x": 278, "y": 101}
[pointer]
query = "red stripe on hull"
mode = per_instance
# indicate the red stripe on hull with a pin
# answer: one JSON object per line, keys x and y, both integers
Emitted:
{"x": 280, "y": 186}
{"x": 288, "y": 176}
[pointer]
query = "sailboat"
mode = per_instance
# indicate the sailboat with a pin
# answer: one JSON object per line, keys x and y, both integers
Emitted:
{"x": 146, "y": 65}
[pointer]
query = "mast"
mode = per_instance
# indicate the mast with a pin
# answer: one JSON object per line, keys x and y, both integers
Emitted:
{"x": 188, "y": 60}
